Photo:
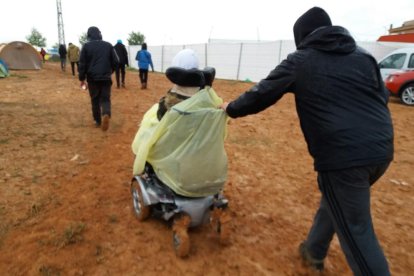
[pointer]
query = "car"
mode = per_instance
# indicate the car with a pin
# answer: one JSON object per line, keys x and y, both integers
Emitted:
{"x": 401, "y": 84}
{"x": 400, "y": 59}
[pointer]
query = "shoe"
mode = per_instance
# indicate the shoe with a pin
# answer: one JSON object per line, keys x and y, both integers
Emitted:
{"x": 97, "y": 124}
{"x": 308, "y": 259}
{"x": 123, "y": 85}
{"x": 105, "y": 122}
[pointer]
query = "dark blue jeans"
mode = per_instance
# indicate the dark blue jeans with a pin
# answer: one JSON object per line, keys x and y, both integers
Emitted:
{"x": 345, "y": 210}
{"x": 100, "y": 93}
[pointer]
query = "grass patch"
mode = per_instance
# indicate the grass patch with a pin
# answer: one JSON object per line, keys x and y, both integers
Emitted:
{"x": 4, "y": 229}
{"x": 4, "y": 141}
{"x": 18, "y": 76}
{"x": 72, "y": 234}
{"x": 113, "y": 218}
{"x": 47, "y": 270}
{"x": 35, "y": 210}
{"x": 132, "y": 69}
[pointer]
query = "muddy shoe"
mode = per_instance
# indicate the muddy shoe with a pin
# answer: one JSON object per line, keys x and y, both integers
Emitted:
{"x": 308, "y": 259}
{"x": 105, "y": 122}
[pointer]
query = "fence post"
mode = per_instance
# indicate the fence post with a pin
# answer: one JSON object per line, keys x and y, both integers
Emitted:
{"x": 205, "y": 54}
{"x": 280, "y": 51}
{"x": 240, "y": 56}
{"x": 162, "y": 58}
{"x": 129, "y": 54}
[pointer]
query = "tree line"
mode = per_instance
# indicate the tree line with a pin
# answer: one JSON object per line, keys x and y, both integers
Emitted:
{"x": 35, "y": 38}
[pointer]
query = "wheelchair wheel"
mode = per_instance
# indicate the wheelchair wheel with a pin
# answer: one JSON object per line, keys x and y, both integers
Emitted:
{"x": 141, "y": 211}
{"x": 181, "y": 240}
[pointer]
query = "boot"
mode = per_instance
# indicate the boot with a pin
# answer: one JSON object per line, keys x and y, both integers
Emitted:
{"x": 105, "y": 122}
{"x": 145, "y": 85}
{"x": 308, "y": 259}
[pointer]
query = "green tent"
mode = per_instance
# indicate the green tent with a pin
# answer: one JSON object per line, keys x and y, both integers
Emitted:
{"x": 4, "y": 72}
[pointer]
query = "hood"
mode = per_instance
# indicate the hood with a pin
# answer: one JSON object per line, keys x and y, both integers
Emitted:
{"x": 94, "y": 34}
{"x": 308, "y": 22}
{"x": 334, "y": 39}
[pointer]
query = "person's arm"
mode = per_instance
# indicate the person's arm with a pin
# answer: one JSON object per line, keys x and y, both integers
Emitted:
{"x": 114, "y": 59}
{"x": 126, "y": 56}
{"x": 265, "y": 93}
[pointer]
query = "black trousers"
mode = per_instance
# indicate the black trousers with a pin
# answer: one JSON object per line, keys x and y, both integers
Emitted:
{"x": 143, "y": 75}
{"x": 100, "y": 93}
{"x": 72, "y": 64}
{"x": 120, "y": 73}
{"x": 345, "y": 210}
{"x": 63, "y": 64}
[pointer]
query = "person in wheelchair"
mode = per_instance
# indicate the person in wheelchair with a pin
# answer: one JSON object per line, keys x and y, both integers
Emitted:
{"x": 182, "y": 136}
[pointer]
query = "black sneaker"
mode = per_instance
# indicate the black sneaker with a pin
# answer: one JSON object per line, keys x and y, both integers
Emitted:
{"x": 308, "y": 259}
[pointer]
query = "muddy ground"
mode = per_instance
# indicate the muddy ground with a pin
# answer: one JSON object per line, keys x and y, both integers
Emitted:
{"x": 66, "y": 209}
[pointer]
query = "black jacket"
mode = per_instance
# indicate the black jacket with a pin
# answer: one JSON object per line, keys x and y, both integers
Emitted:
{"x": 122, "y": 53}
{"x": 340, "y": 100}
{"x": 62, "y": 52}
{"x": 97, "y": 58}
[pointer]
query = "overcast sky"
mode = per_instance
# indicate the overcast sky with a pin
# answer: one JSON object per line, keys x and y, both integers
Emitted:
{"x": 171, "y": 22}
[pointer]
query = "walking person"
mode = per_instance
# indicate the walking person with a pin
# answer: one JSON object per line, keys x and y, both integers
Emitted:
{"x": 144, "y": 62}
{"x": 342, "y": 106}
{"x": 123, "y": 61}
{"x": 43, "y": 54}
{"x": 62, "y": 54}
{"x": 73, "y": 55}
{"x": 97, "y": 62}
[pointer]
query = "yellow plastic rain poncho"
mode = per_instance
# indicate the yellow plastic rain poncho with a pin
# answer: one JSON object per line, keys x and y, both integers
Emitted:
{"x": 185, "y": 148}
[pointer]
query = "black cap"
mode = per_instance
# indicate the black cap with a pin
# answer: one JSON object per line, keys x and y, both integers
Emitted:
{"x": 310, "y": 21}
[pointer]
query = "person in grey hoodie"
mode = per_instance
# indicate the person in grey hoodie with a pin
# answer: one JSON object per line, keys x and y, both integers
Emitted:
{"x": 97, "y": 62}
{"x": 341, "y": 102}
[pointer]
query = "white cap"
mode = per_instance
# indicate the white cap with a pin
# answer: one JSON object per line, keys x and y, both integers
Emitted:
{"x": 185, "y": 59}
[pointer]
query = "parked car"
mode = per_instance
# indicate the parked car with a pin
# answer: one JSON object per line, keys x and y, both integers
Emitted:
{"x": 400, "y": 59}
{"x": 401, "y": 84}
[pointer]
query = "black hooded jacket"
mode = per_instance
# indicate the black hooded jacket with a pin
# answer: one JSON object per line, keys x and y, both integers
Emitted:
{"x": 98, "y": 58}
{"x": 122, "y": 53}
{"x": 340, "y": 100}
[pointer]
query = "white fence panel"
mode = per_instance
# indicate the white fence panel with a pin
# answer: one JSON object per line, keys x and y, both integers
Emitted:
{"x": 225, "y": 58}
{"x": 238, "y": 61}
{"x": 257, "y": 60}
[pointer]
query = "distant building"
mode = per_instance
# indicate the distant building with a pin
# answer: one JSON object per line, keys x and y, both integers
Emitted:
{"x": 406, "y": 28}
{"x": 400, "y": 35}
